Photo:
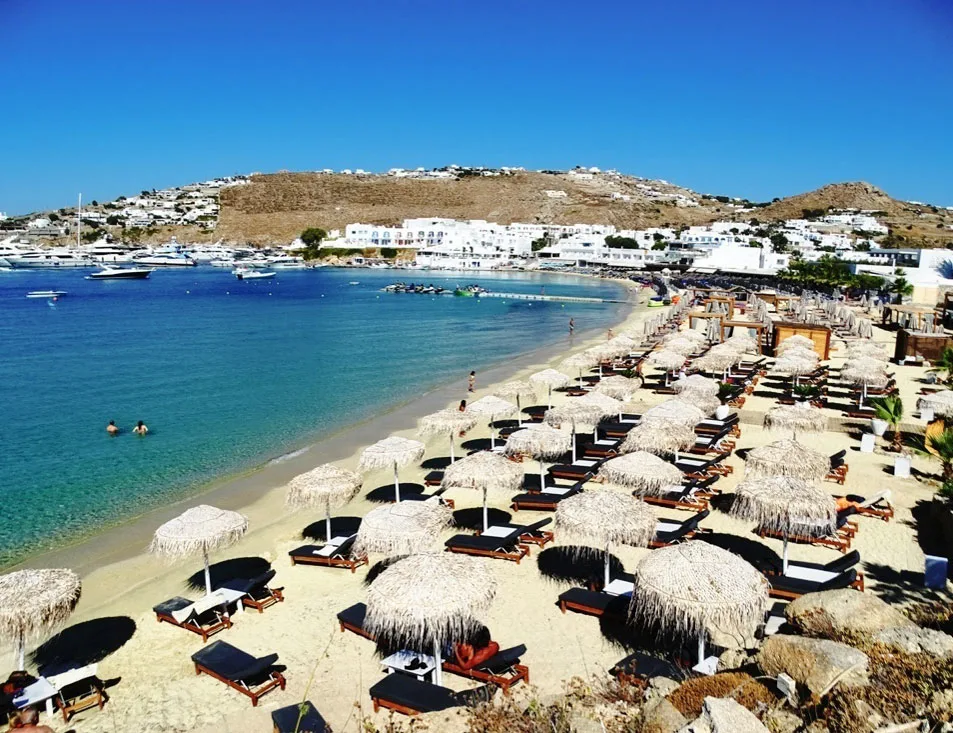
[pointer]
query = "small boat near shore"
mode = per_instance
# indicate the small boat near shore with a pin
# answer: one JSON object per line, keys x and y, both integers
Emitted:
{"x": 121, "y": 273}
{"x": 245, "y": 273}
{"x": 46, "y": 294}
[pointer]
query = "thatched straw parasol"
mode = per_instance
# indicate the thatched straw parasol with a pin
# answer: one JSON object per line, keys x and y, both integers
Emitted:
{"x": 660, "y": 437}
{"x": 32, "y": 602}
{"x": 484, "y": 471}
{"x": 744, "y": 342}
{"x": 806, "y": 418}
{"x": 667, "y": 360}
{"x": 940, "y": 402}
{"x": 608, "y": 405}
{"x": 706, "y": 403}
{"x": 674, "y": 410}
{"x": 573, "y": 412}
{"x": 682, "y": 346}
{"x": 792, "y": 341}
{"x": 494, "y": 408}
{"x": 799, "y": 352}
{"x": 517, "y": 389}
{"x": 696, "y": 384}
{"x": 867, "y": 349}
{"x": 404, "y": 528}
{"x": 202, "y": 528}
{"x": 618, "y": 387}
{"x": 393, "y": 451}
{"x": 541, "y": 442}
{"x": 786, "y": 505}
{"x": 698, "y": 589}
{"x": 578, "y": 362}
{"x": 603, "y": 517}
{"x": 325, "y": 486}
{"x": 717, "y": 360}
{"x": 865, "y": 371}
{"x": 430, "y": 600}
{"x": 551, "y": 379}
{"x": 793, "y": 366}
{"x": 786, "y": 458}
{"x": 447, "y": 422}
{"x": 641, "y": 471}
{"x": 689, "y": 335}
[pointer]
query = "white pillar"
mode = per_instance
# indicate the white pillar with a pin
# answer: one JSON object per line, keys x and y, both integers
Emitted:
{"x": 396, "y": 483}
{"x": 452, "y": 457}
{"x": 208, "y": 573}
{"x": 784, "y": 557}
{"x": 327, "y": 522}
{"x": 438, "y": 672}
{"x": 486, "y": 522}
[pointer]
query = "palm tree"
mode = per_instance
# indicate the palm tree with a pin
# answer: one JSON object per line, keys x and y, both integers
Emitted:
{"x": 890, "y": 410}
{"x": 942, "y": 446}
{"x": 901, "y": 286}
{"x": 944, "y": 364}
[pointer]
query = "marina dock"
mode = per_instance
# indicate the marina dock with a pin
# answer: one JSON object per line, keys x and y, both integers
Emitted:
{"x": 554, "y": 298}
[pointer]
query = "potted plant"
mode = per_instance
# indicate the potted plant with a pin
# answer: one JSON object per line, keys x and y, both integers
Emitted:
{"x": 726, "y": 391}
{"x": 806, "y": 393}
{"x": 888, "y": 411}
{"x": 942, "y": 447}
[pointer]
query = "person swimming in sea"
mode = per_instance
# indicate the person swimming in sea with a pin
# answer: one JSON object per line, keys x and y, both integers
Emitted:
{"x": 111, "y": 428}
{"x": 140, "y": 428}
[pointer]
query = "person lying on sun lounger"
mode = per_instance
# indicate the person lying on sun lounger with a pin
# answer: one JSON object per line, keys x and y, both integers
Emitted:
{"x": 480, "y": 649}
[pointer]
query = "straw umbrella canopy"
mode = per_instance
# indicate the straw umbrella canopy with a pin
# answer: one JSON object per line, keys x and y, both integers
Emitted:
{"x": 609, "y": 405}
{"x": 430, "y": 600}
{"x": 689, "y": 334}
{"x": 706, "y": 403}
{"x": 698, "y": 589}
{"x": 696, "y": 384}
{"x": 641, "y": 471}
{"x": 324, "y": 486}
{"x": 799, "y": 352}
{"x": 484, "y": 471}
{"x": 578, "y": 362}
{"x": 661, "y": 437}
{"x": 575, "y": 411}
{"x": 717, "y": 360}
{"x": 404, "y": 528}
{"x": 867, "y": 349}
{"x": 806, "y": 418}
{"x": 393, "y": 451}
{"x": 786, "y": 458}
{"x": 666, "y": 360}
{"x": 551, "y": 379}
{"x": 517, "y": 389}
{"x": 787, "y": 505}
{"x": 677, "y": 411}
{"x": 744, "y": 342}
{"x": 447, "y": 422}
{"x": 202, "y": 528}
{"x": 795, "y": 340}
{"x": 617, "y": 387}
{"x": 494, "y": 408}
{"x": 682, "y": 345}
{"x": 865, "y": 371}
{"x": 794, "y": 367}
{"x": 605, "y": 517}
{"x": 32, "y": 602}
{"x": 541, "y": 442}
{"x": 940, "y": 402}
{"x": 865, "y": 328}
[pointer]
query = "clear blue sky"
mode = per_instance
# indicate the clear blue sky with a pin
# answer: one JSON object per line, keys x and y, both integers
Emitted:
{"x": 753, "y": 98}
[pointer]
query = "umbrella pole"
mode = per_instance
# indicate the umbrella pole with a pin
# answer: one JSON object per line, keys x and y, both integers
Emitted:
{"x": 21, "y": 652}
{"x": 701, "y": 647}
{"x": 574, "y": 442}
{"x": 550, "y": 401}
{"x": 437, "y": 672}
{"x": 396, "y": 483}
{"x": 519, "y": 413}
{"x": 452, "y": 457}
{"x": 542, "y": 475}
{"x": 486, "y": 522}
{"x": 606, "y": 566}
{"x": 327, "y": 521}
{"x": 784, "y": 557}
{"x": 208, "y": 573}
{"x": 492, "y": 438}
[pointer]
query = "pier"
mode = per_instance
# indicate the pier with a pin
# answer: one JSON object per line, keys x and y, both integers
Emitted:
{"x": 554, "y": 298}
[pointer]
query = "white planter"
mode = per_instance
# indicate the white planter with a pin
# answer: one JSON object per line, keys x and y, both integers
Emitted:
{"x": 901, "y": 467}
{"x": 926, "y": 414}
{"x": 721, "y": 412}
{"x": 878, "y": 426}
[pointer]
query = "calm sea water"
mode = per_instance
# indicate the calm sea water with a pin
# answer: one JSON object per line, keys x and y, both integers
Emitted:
{"x": 226, "y": 374}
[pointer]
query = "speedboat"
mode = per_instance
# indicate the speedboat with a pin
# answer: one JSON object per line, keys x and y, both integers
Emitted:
{"x": 120, "y": 273}
{"x": 244, "y": 273}
{"x": 46, "y": 294}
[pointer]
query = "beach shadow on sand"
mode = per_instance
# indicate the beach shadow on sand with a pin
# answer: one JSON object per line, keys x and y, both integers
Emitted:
{"x": 748, "y": 549}
{"x": 472, "y": 517}
{"x": 438, "y": 463}
{"x": 379, "y": 567}
{"x": 83, "y": 643}
{"x": 477, "y": 444}
{"x": 340, "y": 527}
{"x": 235, "y": 568}
{"x": 385, "y": 494}
{"x": 901, "y": 586}
{"x": 577, "y": 564}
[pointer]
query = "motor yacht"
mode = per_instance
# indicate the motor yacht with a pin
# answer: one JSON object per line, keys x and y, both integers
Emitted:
{"x": 121, "y": 273}
{"x": 49, "y": 258}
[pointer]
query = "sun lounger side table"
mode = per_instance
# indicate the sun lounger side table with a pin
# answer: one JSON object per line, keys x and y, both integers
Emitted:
{"x": 497, "y": 532}
{"x": 39, "y": 691}
{"x": 398, "y": 662}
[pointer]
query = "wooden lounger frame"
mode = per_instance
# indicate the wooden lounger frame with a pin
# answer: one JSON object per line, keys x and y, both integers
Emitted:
{"x": 224, "y": 622}
{"x": 276, "y": 679}
{"x": 332, "y": 562}
{"x": 839, "y": 542}
{"x": 95, "y": 697}
{"x": 275, "y": 595}
{"x": 519, "y": 552}
{"x": 504, "y": 682}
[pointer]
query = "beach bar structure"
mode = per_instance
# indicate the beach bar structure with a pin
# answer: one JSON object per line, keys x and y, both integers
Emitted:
{"x": 724, "y": 304}
{"x": 912, "y": 317}
{"x": 820, "y": 336}
{"x": 701, "y": 320}
{"x": 930, "y": 346}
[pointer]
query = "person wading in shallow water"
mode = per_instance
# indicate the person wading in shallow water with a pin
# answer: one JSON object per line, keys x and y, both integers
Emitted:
{"x": 572, "y": 326}
{"x": 111, "y": 428}
{"x": 471, "y": 382}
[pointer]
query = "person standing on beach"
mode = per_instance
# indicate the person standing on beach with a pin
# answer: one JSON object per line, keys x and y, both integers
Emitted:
{"x": 111, "y": 428}
{"x": 609, "y": 338}
{"x": 140, "y": 428}
{"x": 572, "y": 326}
{"x": 471, "y": 382}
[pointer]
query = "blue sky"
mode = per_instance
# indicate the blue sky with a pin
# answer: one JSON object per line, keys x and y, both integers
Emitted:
{"x": 751, "y": 98}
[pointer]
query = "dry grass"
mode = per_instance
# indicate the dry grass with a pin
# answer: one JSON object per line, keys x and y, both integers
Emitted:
{"x": 741, "y": 687}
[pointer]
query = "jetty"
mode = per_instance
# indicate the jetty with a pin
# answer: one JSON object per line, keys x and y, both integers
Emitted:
{"x": 554, "y": 298}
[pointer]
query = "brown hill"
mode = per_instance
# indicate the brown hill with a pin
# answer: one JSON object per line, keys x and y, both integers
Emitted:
{"x": 859, "y": 195}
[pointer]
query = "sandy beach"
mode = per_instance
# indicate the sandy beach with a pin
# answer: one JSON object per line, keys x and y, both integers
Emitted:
{"x": 158, "y": 690}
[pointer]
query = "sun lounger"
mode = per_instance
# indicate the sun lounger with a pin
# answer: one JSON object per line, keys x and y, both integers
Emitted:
{"x": 204, "y": 617}
{"x": 334, "y": 554}
{"x": 503, "y": 669}
{"x": 604, "y": 448}
{"x": 352, "y": 619}
{"x": 619, "y": 428}
{"x": 251, "y": 676}
{"x": 77, "y": 689}
{"x": 838, "y": 469}
{"x": 703, "y": 467}
{"x": 876, "y": 505}
{"x": 668, "y": 533}
{"x": 783, "y": 586}
{"x": 821, "y": 573}
{"x": 302, "y": 717}
{"x": 836, "y": 541}
{"x": 689, "y": 497}
{"x": 532, "y": 534}
{"x": 258, "y": 593}
{"x": 545, "y": 500}
{"x": 638, "y": 668}
{"x": 713, "y": 443}
{"x": 712, "y": 426}
{"x": 411, "y": 696}
{"x": 581, "y": 470}
{"x": 593, "y": 602}
{"x": 501, "y": 548}
{"x": 423, "y": 497}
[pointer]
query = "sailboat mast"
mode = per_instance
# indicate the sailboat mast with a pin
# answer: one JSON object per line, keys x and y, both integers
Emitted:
{"x": 79, "y": 217}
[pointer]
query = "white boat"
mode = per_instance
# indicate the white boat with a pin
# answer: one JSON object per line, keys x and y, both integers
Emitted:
{"x": 46, "y": 294}
{"x": 48, "y": 259}
{"x": 244, "y": 273}
{"x": 165, "y": 259}
{"x": 286, "y": 262}
{"x": 121, "y": 273}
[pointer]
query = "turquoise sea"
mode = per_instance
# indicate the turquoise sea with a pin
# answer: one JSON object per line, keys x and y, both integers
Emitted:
{"x": 226, "y": 374}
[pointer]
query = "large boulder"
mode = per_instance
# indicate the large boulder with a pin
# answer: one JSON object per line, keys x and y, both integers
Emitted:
{"x": 914, "y": 640}
{"x": 845, "y": 611}
{"x": 660, "y": 716}
{"x": 813, "y": 663}
{"x": 724, "y": 715}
